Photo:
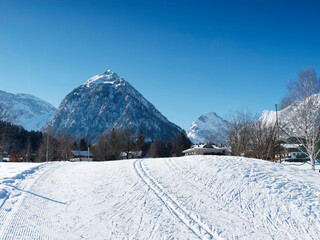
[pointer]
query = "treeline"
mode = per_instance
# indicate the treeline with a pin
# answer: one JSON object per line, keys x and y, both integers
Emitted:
{"x": 111, "y": 145}
{"x": 36, "y": 146}
{"x": 18, "y": 141}
{"x": 251, "y": 138}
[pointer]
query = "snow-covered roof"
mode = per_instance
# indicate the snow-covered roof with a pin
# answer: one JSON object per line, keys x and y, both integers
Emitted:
{"x": 77, "y": 153}
{"x": 211, "y": 148}
{"x": 290, "y": 146}
{"x": 206, "y": 146}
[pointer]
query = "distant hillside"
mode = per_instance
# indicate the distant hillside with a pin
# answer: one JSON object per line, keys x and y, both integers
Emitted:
{"x": 33, "y": 112}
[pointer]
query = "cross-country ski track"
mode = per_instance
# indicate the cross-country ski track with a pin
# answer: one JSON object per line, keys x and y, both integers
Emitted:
{"x": 199, "y": 197}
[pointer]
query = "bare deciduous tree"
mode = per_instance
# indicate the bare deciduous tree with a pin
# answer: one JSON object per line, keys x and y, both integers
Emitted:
{"x": 239, "y": 131}
{"x": 303, "y": 124}
{"x": 285, "y": 102}
{"x": 66, "y": 144}
{"x": 251, "y": 138}
{"x": 111, "y": 145}
{"x": 264, "y": 141}
{"x": 128, "y": 141}
{"x": 157, "y": 149}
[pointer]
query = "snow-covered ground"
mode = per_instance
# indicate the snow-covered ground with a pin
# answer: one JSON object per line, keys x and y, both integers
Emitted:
{"x": 11, "y": 169}
{"x": 198, "y": 197}
{"x": 303, "y": 165}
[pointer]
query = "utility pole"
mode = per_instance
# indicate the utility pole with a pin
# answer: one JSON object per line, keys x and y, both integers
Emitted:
{"x": 277, "y": 122}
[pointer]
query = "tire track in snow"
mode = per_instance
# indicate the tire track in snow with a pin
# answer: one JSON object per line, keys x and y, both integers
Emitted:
{"x": 198, "y": 228}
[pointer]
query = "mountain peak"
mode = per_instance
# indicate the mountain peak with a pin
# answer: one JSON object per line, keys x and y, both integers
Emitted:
{"x": 105, "y": 102}
{"x": 107, "y": 77}
{"x": 109, "y": 71}
{"x": 208, "y": 127}
{"x": 210, "y": 115}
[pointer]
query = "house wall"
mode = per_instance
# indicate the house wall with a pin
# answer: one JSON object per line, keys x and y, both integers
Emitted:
{"x": 205, "y": 152}
{"x": 297, "y": 155}
{"x": 81, "y": 159}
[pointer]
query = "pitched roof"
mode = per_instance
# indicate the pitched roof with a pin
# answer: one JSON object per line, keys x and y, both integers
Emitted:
{"x": 77, "y": 153}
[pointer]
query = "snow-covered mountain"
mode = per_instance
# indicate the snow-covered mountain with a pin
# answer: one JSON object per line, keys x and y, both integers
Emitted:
{"x": 32, "y": 112}
{"x": 290, "y": 114}
{"x": 268, "y": 117}
{"x": 107, "y": 101}
{"x": 208, "y": 127}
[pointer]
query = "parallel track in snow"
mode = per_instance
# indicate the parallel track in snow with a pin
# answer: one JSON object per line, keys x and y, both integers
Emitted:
{"x": 198, "y": 228}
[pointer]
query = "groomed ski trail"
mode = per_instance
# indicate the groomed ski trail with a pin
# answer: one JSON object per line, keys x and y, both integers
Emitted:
{"x": 13, "y": 206}
{"x": 198, "y": 228}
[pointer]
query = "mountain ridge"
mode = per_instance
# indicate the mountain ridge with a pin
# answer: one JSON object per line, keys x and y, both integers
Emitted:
{"x": 33, "y": 113}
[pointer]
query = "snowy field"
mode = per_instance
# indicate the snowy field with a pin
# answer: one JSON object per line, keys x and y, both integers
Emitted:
{"x": 200, "y": 197}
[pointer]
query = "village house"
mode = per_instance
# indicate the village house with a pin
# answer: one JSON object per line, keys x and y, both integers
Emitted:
{"x": 207, "y": 149}
{"x": 131, "y": 155}
{"x": 81, "y": 156}
{"x": 291, "y": 152}
{"x": 4, "y": 156}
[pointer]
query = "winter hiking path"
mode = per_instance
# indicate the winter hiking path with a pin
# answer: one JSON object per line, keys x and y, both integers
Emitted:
{"x": 198, "y": 197}
{"x": 17, "y": 188}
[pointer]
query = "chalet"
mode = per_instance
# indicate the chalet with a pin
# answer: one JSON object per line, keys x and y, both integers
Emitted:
{"x": 80, "y": 156}
{"x": 4, "y": 156}
{"x": 291, "y": 152}
{"x": 131, "y": 155}
{"x": 207, "y": 149}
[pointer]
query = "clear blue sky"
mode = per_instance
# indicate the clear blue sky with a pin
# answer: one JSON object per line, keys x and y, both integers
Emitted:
{"x": 186, "y": 57}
